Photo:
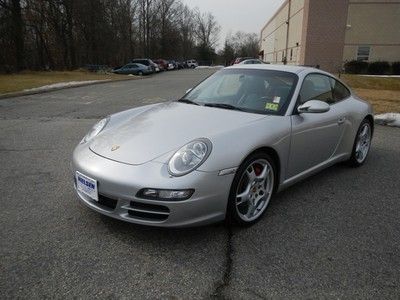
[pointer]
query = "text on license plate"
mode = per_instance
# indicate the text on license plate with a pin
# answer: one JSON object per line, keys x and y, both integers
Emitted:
{"x": 86, "y": 185}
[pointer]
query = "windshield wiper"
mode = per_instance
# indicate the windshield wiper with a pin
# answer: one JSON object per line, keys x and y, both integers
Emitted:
{"x": 188, "y": 101}
{"x": 223, "y": 105}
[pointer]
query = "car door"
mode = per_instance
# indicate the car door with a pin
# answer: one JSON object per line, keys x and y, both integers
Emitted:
{"x": 126, "y": 69}
{"x": 134, "y": 69}
{"x": 315, "y": 136}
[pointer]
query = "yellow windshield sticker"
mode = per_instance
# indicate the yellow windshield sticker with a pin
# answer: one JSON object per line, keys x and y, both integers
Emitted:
{"x": 272, "y": 106}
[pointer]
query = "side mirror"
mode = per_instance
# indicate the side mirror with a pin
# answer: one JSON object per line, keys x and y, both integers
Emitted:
{"x": 188, "y": 91}
{"x": 314, "y": 106}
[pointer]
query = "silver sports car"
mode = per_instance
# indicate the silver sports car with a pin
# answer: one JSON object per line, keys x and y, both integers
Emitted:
{"x": 224, "y": 149}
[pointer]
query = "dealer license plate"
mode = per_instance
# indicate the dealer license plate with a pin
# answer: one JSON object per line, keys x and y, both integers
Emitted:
{"x": 87, "y": 186}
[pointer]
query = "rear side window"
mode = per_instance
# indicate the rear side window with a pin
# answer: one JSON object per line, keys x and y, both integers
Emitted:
{"x": 340, "y": 92}
{"x": 142, "y": 61}
{"x": 316, "y": 87}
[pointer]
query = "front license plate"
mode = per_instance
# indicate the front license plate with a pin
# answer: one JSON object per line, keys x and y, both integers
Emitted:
{"x": 87, "y": 185}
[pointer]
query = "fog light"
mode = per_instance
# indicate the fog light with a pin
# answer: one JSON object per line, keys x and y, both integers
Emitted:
{"x": 156, "y": 194}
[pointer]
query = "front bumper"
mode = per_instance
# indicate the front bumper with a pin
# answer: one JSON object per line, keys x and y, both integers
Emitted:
{"x": 119, "y": 183}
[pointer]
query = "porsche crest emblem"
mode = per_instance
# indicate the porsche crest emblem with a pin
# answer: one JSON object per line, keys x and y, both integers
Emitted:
{"x": 115, "y": 148}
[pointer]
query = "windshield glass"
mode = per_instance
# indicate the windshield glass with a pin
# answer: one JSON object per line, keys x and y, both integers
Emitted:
{"x": 257, "y": 91}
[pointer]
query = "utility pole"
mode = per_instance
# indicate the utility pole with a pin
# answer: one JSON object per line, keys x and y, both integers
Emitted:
{"x": 287, "y": 33}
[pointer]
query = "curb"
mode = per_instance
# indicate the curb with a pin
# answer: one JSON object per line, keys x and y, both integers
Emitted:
{"x": 28, "y": 93}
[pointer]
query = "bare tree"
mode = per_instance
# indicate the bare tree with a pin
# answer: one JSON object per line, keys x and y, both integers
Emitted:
{"x": 12, "y": 11}
{"x": 207, "y": 29}
{"x": 58, "y": 34}
{"x": 240, "y": 44}
{"x": 186, "y": 28}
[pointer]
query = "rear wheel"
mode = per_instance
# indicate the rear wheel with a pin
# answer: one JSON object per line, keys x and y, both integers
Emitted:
{"x": 362, "y": 144}
{"x": 251, "y": 190}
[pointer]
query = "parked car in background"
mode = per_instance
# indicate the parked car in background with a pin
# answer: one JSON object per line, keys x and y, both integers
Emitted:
{"x": 180, "y": 65}
{"x": 192, "y": 64}
{"x": 238, "y": 60}
{"x": 162, "y": 64}
{"x": 253, "y": 61}
{"x": 145, "y": 61}
{"x": 116, "y": 68}
{"x": 155, "y": 67}
{"x": 134, "y": 69}
{"x": 170, "y": 66}
{"x": 175, "y": 64}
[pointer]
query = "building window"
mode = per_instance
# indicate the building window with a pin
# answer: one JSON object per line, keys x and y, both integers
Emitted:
{"x": 363, "y": 53}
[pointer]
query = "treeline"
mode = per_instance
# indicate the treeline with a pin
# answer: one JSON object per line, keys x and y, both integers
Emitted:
{"x": 66, "y": 34}
{"x": 240, "y": 44}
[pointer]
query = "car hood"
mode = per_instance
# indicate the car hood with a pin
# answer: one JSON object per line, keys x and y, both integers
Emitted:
{"x": 142, "y": 137}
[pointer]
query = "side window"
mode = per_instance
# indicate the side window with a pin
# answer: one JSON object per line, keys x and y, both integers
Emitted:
{"x": 316, "y": 87}
{"x": 340, "y": 92}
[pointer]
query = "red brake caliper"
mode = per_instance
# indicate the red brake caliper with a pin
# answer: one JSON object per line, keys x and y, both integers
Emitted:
{"x": 257, "y": 169}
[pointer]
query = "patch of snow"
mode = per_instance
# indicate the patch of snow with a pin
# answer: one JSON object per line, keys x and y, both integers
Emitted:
{"x": 63, "y": 85}
{"x": 384, "y": 76}
{"x": 210, "y": 67}
{"x": 389, "y": 119}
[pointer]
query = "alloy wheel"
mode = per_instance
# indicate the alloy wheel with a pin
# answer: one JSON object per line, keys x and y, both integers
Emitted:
{"x": 254, "y": 190}
{"x": 363, "y": 143}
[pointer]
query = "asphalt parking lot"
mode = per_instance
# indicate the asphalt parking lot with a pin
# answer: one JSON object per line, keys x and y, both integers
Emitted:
{"x": 335, "y": 235}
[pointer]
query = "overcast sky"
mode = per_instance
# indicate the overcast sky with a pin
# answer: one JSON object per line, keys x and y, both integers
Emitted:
{"x": 235, "y": 15}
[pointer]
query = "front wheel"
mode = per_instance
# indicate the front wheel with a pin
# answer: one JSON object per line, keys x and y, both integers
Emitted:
{"x": 362, "y": 144}
{"x": 251, "y": 190}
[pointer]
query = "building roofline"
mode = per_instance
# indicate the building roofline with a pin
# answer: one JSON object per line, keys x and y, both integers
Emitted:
{"x": 274, "y": 15}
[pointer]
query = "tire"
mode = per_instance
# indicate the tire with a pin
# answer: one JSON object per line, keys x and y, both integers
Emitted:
{"x": 362, "y": 144}
{"x": 140, "y": 73}
{"x": 248, "y": 209}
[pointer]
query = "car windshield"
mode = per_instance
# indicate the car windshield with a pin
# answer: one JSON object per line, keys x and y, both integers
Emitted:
{"x": 256, "y": 91}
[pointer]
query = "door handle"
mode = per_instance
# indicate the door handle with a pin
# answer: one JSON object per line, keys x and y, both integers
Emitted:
{"x": 341, "y": 120}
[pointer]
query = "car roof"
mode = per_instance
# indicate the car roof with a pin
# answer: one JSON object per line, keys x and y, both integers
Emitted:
{"x": 286, "y": 68}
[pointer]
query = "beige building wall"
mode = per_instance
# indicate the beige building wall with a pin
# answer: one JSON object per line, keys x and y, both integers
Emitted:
{"x": 330, "y": 32}
{"x": 274, "y": 33}
{"x": 374, "y": 24}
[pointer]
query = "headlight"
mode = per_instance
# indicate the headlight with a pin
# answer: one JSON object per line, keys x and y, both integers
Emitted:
{"x": 189, "y": 157}
{"x": 96, "y": 129}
